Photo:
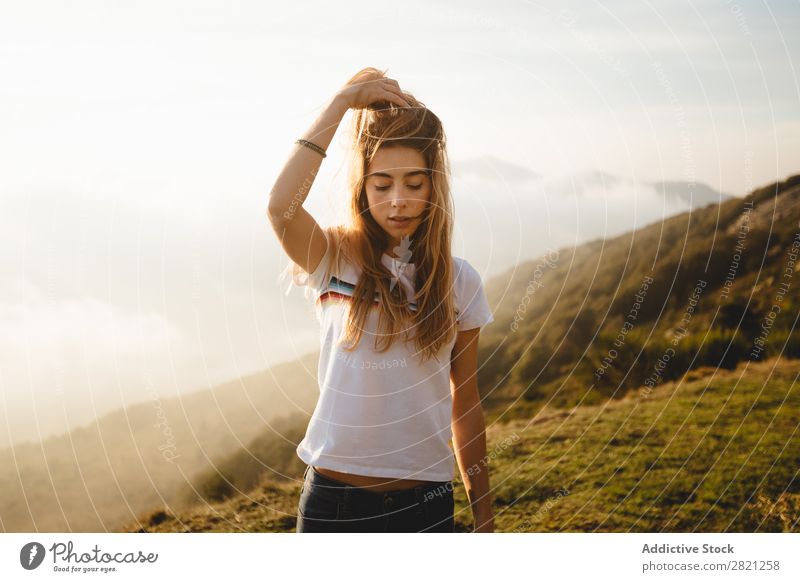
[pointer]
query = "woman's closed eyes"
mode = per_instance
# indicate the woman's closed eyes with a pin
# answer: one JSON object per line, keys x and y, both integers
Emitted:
{"x": 412, "y": 186}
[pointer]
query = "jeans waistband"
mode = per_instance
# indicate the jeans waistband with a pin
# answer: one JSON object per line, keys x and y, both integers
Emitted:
{"x": 411, "y": 493}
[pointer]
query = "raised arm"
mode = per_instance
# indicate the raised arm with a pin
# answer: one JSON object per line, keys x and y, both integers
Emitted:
{"x": 298, "y": 232}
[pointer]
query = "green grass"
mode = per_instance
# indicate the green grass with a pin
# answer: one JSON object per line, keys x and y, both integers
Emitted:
{"x": 707, "y": 455}
{"x": 714, "y": 452}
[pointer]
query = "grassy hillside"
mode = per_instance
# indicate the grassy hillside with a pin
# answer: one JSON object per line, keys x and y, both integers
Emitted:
{"x": 100, "y": 476}
{"x": 557, "y": 318}
{"x": 591, "y": 426}
{"x": 556, "y": 352}
{"x": 714, "y": 452}
{"x": 271, "y": 454}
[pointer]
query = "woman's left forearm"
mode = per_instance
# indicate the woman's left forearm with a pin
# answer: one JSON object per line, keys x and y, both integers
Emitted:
{"x": 469, "y": 444}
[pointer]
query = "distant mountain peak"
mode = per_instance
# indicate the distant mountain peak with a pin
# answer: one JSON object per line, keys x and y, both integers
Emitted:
{"x": 696, "y": 195}
{"x": 492, "y": 168}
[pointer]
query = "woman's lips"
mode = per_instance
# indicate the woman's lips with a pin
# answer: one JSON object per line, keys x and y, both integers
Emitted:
{"x": 400, "y": 222}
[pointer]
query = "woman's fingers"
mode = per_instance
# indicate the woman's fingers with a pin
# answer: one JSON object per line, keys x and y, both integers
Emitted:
{"x": 395, "y": 98}
{"x": 394, "y": 88}
{"x": 370, "y": 89}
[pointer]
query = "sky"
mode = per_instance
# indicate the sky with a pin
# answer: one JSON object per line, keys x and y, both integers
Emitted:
{"x": 140, "y": 141}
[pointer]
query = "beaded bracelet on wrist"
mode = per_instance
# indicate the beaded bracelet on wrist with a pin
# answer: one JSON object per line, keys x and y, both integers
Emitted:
{"x": 313, "y": 146}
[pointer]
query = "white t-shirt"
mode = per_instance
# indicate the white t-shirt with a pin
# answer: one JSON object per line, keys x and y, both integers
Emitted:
{"x": 382, "y": 414}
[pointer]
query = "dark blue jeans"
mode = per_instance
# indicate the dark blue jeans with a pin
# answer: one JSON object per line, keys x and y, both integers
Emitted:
{"x": 328, "y": 505}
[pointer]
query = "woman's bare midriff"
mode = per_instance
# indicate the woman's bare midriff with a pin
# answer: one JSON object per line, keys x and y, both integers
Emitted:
{"x": 371, "y": 483}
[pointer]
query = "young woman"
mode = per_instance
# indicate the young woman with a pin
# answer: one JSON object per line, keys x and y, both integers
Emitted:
{"x": 400, "y": 319}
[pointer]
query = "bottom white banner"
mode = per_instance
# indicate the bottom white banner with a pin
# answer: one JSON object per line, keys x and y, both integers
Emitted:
{"x": 354, "y": 557}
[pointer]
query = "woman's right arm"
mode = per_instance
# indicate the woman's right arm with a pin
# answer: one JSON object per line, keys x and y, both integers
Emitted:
{"x": 299, "y": 234}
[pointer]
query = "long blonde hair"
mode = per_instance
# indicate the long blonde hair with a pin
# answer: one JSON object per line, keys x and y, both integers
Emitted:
{"x": 386, "y": 125}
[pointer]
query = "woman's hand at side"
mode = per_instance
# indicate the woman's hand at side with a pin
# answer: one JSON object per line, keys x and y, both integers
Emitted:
{"x": 484, "y": 521}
